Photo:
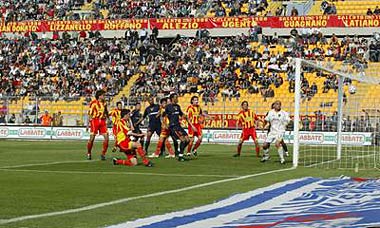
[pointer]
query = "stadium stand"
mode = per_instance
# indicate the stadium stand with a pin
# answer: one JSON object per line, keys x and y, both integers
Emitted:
{"x": 345, "y": 7}
{"x": 218, "y": 69}
{"x": 13, "y": 10}
{"x": 168, "y": 9}
{"x": 118, "y": 9}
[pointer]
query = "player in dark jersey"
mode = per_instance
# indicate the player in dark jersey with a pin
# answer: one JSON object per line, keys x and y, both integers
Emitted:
{"x": 152, "y": 112}
{"x": 137, "y": 118}
{"x": 172, "y": 136}
{"x": 174, "y": 112}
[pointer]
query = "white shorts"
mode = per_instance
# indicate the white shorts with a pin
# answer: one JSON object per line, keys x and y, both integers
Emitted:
{"x": 274, "y": 137}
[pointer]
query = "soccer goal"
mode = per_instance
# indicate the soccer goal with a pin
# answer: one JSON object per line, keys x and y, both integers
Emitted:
{"x": 336, "y": 118}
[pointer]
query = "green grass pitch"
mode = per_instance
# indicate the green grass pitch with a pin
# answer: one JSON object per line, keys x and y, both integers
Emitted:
{"x": 40, "y": 177}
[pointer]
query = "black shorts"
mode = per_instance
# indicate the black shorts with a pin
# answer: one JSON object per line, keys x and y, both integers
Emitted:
{"x": 137, "y": 131}
{"x": 177, "y": 131}
{"x": 155, "y": 128}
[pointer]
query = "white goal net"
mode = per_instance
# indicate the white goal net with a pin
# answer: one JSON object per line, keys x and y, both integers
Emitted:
{"x": 336, "y": 119}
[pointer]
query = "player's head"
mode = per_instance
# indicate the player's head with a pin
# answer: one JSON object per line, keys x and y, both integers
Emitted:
{"x": 151, "y": 100}
{"x": 125, "y": 114}
{"x": 138, "y": 106}
{"x": 163, "y": 102}
{"x": 194, "y": 100}
{"x": 99, "y": 95}
{"x": 244, "y": 105}
{"x": 277, "y": 105}
{"x": 119, "y": 105}
{"x": 174, "y": 98}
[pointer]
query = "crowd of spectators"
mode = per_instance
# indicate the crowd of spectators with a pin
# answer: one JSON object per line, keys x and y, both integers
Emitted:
{"x": 67, "y": 68}
{"x": 214, "y": 65}
{"x": 13, "y": 10}
{"x": 120, "y": 9}
{"x": 374, "y": 49}
{"x": 45, "y": 119}
{"x": 76, "y": 66}
{"x": 319, "y": 121}
{"x": 26, "y": 10}
{"x": 375, "y": 11}
{"x": 329, "y": 123}
{"x": 328, "y": 8}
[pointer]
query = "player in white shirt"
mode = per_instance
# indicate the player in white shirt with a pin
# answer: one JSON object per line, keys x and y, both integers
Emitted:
{"x": 278, "y": 120}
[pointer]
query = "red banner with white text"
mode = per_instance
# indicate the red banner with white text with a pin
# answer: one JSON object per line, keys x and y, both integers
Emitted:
{"x": 323, "y": 21}
{"x": 83, "y": 25}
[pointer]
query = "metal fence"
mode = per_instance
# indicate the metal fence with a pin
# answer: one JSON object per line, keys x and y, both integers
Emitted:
{"x": 317, "y": 113}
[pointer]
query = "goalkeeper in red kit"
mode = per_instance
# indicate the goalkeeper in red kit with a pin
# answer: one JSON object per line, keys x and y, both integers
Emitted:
{"x": 126, "y": 145}
{"x": 247, "y": 118}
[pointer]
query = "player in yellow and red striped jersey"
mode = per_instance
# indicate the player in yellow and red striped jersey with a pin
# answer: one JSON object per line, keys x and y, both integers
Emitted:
{"x": 247, "y": 119}
{"x": 126, "y": 145}
{"x": 195, "y": 117}
{"x": 165, "y": 132}
{"x": 115, "y": 114}
{"x": 98, "y": 115}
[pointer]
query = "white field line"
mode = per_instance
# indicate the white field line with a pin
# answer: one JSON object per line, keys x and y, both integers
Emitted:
{"x": 321, "y": 163}
{"x": 110, "y": 203}
{"x": 47, "y": 163}
{"x": 116, "y": 173}
{"x": 334, "y": 160}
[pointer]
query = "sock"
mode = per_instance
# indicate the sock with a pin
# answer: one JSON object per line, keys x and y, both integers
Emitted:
{"x": 162, "y": 147}
{"x": 105, "y": 146}
{"x": 285, "y": 147}
{"x": 266, "y": 152}
{"x": 141, "y": 152}
{"x": 147, "y": 142}
{"x": 182, "y": 147}
{"x": 190, "y": 146}
{"x": 281, "y": 153}
{"x": 239, "y": 148}
{"x": 197, "y": 144}
{"x": 159, "y": 146}
{"x": 142, "y": 142}
{"x": 89, "y": 146}
{"x": 175, "y": 144}
{"x": 169, "y": 147}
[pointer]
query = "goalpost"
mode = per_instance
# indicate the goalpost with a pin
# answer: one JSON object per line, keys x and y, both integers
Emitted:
{"x": 338, "y": 128}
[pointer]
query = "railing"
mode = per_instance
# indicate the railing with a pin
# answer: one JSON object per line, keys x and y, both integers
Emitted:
{"x": 317, "y": 114}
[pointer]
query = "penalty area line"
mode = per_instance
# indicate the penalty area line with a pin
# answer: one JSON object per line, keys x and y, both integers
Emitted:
{"x": 110, "y": 203}
{"x": 47, "y": 163}
{"x": 115, "y": 173}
